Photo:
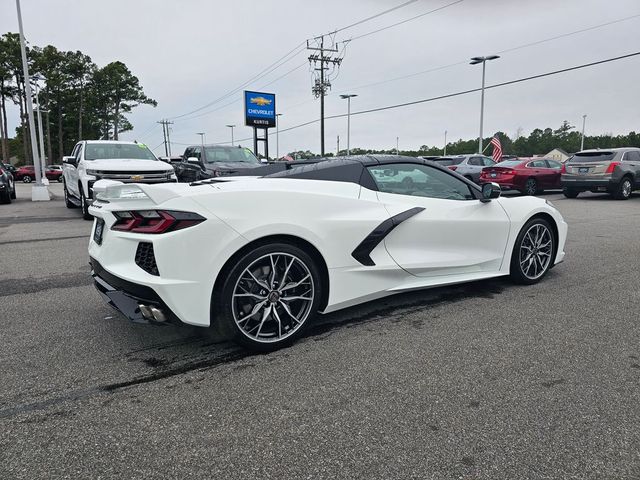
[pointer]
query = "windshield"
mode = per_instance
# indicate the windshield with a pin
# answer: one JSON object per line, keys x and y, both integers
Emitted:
{"x": 592, "y": 157}
{"x": 226, "y": 154}
{"x": 449, "y": 161}
{"x": 101, "y": 151}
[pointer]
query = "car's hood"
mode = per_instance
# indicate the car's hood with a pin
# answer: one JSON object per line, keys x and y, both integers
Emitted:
{"x": 128, "y": 165}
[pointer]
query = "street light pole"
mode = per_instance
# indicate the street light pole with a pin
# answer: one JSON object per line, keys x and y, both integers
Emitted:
{"x": 39, "y": 191}
{"x": 36, "y": 78}
{"x": 445, "y": 144}
{"x": 584, "y": 120}
{"x": 475, "y": 61}
{"x": 278, "y": 135}
{"x": 348, "y": 97}
{"x": 231, "y": 127}
{"x": 201, "y": 143}
{"x": 397, "y": 143}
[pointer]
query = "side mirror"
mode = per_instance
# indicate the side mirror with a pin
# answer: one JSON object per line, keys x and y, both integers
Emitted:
{"x": 69, "y": 161}
{"x": 193, "y": 160}
{"x": 489, "y": 191}
{"x": 264, "y": 160}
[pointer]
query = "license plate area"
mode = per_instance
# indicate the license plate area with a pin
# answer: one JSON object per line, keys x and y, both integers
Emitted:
{"x": 583, "y": 170}
{"x": 98, "y": 231}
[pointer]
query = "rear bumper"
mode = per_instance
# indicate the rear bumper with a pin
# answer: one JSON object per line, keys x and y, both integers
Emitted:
{"x": 582, "y": 183}
{"x": 138, "y": 303}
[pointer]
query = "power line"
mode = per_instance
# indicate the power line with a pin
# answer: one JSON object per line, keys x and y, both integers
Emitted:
{"x": 460, "y": 93}
{"x": 359, "y": 22}
{"x": 406, "y": 20}
{"x": 526, "y": 45}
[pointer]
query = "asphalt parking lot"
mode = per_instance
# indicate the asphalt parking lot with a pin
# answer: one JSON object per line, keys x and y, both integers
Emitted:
{"x": 486, "y": 380}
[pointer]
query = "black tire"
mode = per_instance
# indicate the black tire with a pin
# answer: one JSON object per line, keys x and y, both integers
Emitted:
{"x": 60, "y": 179}
{"x": 530, "y": 187}
{"x": 68, "y": 202}
{"x": 27, "y": 179}
{"x": 624, "y": 189}
{"x": 13, "y": 192}
{"x": 248, "y": 275}
{"x": 84, "y": 205}
{"x": 570, "y": 192}
{"x": 5, "y": 197}
{"x": 518, "y": 272}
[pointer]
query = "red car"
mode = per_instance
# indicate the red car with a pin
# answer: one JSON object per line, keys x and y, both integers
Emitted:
{"x": 27, "y": 173}
{"x": 529, "y": 175}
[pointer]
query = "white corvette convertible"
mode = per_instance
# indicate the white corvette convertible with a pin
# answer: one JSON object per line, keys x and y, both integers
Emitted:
{"x": 261, "y": 256}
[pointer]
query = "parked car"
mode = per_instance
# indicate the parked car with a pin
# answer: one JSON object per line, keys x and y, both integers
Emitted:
{"x": 214, "y": 161}
{"x": 90, "y": 161}
{"x": 469, "y": 166}
{"x": 9, "y": 168}
{"x": 331, "y": 235}
{"x": 7, "y": 186}
{"x": 613, "y": 170}
{"x": 529, "y": 175}
{"x": 27, "y": 174}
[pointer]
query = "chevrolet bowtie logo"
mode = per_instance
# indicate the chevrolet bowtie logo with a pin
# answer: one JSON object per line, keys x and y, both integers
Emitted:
{"x": 260, "y": 101}
{"x": 137, "y": 177}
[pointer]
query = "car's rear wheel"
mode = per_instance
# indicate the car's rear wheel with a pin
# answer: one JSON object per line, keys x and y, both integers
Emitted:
{"x": 533, "y": 252}
{"x": 27, "y": 179}
{"x": 624, "y": 189}
{"x": 530, "y": 187}
{"x": 268, "y": 296}
{"x": 67, "y": 200}
{"x": 5, "y": 197}
{"x": 60, "y": 179}
{"x": 570, "y": 192}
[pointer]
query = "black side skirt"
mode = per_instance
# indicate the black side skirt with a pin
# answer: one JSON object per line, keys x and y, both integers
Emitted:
{"x": 362, "y": 252}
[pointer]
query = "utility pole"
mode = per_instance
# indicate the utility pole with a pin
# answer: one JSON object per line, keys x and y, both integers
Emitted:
{"x": 338, "y": 147}
{"x": 584, "y": 120}
{"x": 397, "y": 145}
{"x": 231, "y": 127}
{"x": 348, "y": 97}
{"x": 165, "y": 133}
{"x": 323, "y": 83}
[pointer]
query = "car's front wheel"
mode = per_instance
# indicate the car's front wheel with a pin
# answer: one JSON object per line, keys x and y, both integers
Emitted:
{"x": 570, "y": 192}
{"x": 268, "y": 296}
{"x": 27, "y": 179}
{"x": 530, "y": 187}
{"x": 533, "y": 252}
{"x": 84, "y": 205}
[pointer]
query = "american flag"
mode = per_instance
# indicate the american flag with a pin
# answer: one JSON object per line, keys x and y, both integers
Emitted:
{"x": 497, "y": 149}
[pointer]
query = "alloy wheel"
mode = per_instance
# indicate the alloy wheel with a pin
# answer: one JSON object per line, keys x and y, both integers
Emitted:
{"x": 536, "y": 250}
{"x": 626, "y": 188}
{"x": 273, "y": 297}
{"x": 530, "y": 187}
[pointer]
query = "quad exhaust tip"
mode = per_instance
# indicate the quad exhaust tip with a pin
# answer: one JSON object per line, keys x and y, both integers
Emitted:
{"x": 152, "y": 313}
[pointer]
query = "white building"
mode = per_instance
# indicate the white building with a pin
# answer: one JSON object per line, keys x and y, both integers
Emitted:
{"x": 557, "y": 154}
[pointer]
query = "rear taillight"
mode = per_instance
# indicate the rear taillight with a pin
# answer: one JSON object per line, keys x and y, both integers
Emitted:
{"x": 452, "y": 167}
{"x": 154, "y": 221}
{"x": 612, "y": 166}
{"x": 508, "y": 172}
{"x": 563, "y": 169}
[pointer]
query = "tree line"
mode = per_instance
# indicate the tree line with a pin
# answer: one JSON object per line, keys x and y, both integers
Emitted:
{"x": 79, "y": 99}
{"x": 538, "y": 142}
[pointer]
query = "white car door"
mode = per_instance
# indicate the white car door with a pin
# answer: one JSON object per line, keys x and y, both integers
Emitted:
{"x": 453, "y": 233}
{"x": 70, "y": 172}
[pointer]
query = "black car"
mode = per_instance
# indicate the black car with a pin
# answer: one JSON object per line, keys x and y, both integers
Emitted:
{"x": 7, "y": 185}
{"x": 201, "y": 162}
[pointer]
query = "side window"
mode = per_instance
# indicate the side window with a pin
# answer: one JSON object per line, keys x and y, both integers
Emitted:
{"x": 538, "y": 164}
{"x": 195, "y": 152}
{"x": 78, "y": 154}
{"x": 187, "y": 154}
{"x": 74, "y": 152}
{"x": 488, "y": 162}
{"x": 553, "y": 164}
{"x": 419, "y": 181}
{"x": 476, "y": 161}
{"x": 632, "y": 156}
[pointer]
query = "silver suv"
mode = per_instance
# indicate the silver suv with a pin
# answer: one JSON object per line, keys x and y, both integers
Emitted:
{"x": 469, "y": 166}
{"x": 613, "y": 170}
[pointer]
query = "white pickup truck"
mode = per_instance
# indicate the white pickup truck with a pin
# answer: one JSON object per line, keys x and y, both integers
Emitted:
{"x": 93, "y": 160}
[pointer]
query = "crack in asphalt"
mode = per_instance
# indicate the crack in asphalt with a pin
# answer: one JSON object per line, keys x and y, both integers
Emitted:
{"x": 32, "y": 240}
{"x": 27, "y": 285}
{"x": 413, "y": 302}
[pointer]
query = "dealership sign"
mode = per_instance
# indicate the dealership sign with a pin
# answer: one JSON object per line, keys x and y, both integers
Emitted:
{"x": 259, "y": 109}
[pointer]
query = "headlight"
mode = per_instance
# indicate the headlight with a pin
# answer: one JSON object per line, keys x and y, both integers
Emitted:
{"x": 92, "y": 172}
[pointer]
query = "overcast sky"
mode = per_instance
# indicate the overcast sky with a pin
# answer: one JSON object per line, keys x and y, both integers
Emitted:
{"x": 190, "y": 53}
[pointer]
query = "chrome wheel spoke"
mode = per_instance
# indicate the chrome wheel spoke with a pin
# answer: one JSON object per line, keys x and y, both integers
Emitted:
{"x": 535, "y": 252}
{"x": 273, "y": 297}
